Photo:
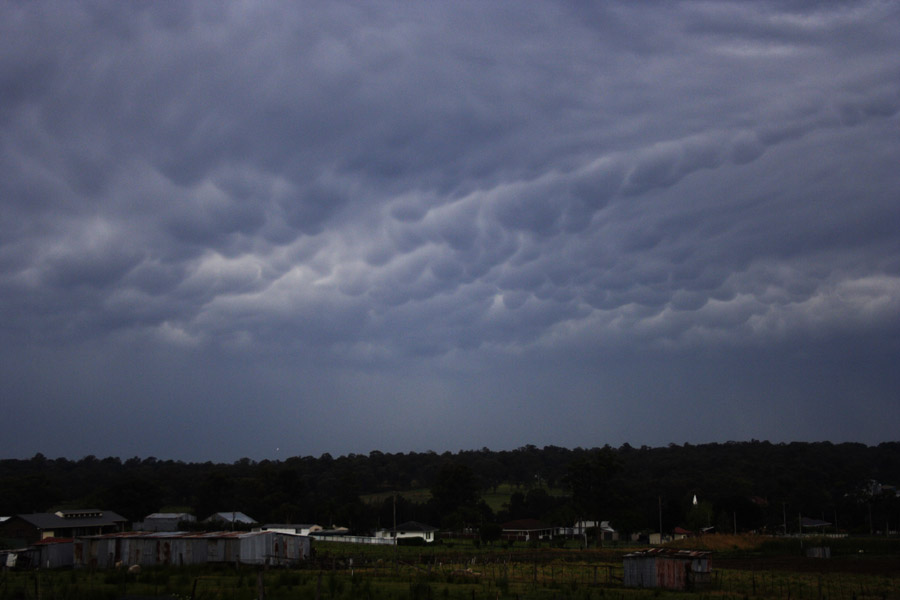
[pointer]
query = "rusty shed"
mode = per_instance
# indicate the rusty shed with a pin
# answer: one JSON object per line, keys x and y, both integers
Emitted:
{"x": 181, "y": 548}
{"x": 667, "y": 568}
{"x": 54, "y": 552}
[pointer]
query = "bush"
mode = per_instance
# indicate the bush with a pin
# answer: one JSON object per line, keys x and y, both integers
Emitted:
{"x": 420, "y": 591}
{"x": 414, "y": 541}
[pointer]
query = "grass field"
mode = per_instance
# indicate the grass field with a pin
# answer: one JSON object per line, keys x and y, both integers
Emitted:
{"x": 462, "y": 571}
{"x": 495, "y": 498}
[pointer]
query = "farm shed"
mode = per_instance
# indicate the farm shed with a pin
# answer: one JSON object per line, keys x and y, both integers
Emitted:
{"x": 54, "y": 553}
{"x": 667, "y": 568}
{"x": 180, "y": 548}
{"x": 30, "y": 528}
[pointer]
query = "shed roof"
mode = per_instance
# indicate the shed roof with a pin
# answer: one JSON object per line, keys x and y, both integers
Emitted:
{"x": 231, "y": 516}
{"x": 162, "y": 515}
{"x": 669, "y": 553}
{"x": 184, "y": 534}
{"x": 53, "y": 540}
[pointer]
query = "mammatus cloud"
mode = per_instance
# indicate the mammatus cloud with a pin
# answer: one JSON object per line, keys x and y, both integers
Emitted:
{"x": 431, "y": 194}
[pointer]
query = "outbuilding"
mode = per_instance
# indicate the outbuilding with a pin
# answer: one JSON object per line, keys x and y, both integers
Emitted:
{"x": 165, "y": 521}
{"x": 184, "y": 548}
{"x": 667, "y": 568}
{"x": 409, "y": 530}
{"x": 30, "y": 528}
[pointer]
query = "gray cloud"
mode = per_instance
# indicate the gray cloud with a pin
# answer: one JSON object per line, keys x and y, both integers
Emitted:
{"x": 428, "y": 211}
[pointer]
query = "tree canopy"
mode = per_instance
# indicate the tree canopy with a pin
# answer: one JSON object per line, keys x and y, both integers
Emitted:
{"x": 749, "y": 485}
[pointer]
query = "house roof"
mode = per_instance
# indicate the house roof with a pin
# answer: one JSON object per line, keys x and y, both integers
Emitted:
{"x": 414, "y": 526}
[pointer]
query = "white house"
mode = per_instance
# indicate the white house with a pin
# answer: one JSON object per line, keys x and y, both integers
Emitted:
{"x": 410, "y": 529}
{"x": 581, "y": 528}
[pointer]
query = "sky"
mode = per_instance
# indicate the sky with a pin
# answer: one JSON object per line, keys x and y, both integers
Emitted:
{"x": 269, "y": 229}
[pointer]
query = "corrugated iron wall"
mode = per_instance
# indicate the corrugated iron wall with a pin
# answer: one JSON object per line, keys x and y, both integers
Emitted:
{"x": 151, "y": 549}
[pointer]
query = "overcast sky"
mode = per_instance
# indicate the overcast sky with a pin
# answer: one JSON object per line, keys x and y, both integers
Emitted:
{"x": 267, "y": 229}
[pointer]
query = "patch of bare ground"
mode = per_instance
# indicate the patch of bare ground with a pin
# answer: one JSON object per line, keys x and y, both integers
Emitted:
{"x": 887, "y": 566}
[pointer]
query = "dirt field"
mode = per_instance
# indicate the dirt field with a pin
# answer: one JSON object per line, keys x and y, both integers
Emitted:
{"x": 888, "y": 567}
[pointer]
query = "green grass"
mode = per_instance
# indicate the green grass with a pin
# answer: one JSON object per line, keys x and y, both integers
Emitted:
{"x": 495, "y": 498}
{"x": 417, "y": 496}
{"x": 461, "y": 571}
{"x": 500, "y": 495}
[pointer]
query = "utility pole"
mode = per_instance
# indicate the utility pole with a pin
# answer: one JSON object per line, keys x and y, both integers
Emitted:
{"x": 784, "y": 515}
{"x": 396, "y": 547}
{"x": 659, "y": 498}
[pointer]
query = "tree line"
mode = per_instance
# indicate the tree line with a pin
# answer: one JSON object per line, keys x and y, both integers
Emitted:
{"x": 754, "y": 485}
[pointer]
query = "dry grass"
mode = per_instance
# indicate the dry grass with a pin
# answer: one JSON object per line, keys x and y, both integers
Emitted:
{"x": 720, "y": 542}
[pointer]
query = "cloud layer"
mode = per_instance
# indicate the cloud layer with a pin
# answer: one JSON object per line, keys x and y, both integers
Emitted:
{"x": 350, "y": 227}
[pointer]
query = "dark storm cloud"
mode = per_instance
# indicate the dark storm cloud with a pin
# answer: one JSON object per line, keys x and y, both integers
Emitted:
{"x": 432, "y": 210}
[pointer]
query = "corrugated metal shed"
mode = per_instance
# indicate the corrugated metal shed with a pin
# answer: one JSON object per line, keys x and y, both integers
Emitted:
{"x": 667, "y": 568}
{"x": 55, "y": 553}
{"x": 182, "y": 548}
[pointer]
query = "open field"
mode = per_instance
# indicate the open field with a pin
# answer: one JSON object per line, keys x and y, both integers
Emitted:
{"x": 496, "y": 498}
{"x": 465, "y": 572}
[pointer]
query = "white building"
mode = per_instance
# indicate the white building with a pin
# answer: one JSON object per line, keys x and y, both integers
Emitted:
{"x": 408, "y": 530}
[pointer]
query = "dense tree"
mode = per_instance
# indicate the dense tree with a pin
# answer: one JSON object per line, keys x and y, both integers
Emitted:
{"x": 759, "y": 485}
{"x": 589, "y": 479}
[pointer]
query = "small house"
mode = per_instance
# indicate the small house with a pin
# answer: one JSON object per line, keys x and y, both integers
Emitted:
{"x": 409, "y": 530}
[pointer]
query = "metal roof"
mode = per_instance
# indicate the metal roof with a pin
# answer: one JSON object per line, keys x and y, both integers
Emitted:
{"x": 52, "y": 521}
{"x": 669, "y": 553}
{"x": 181, "y": 534}
{"x": 231, "y": 516}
